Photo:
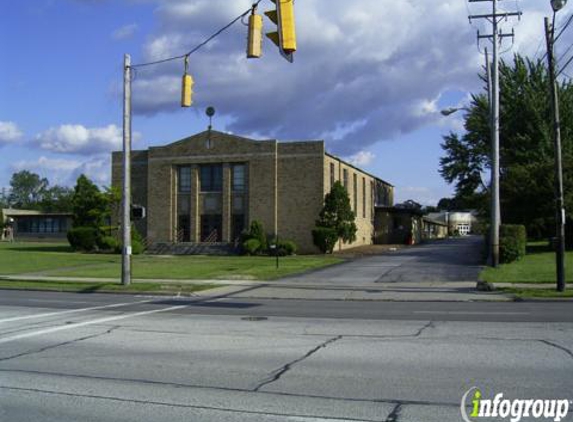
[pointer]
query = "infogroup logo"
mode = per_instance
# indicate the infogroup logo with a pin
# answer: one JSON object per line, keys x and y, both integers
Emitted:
{"x": 514, "y": 410}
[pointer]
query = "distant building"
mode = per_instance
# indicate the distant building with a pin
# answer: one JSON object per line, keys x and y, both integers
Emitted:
{"x": 458, "y": 222}
{"x": 210, "y": 186}
{"x": 36, "y": 225}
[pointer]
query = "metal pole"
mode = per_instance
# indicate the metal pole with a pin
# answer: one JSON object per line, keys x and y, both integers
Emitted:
{"x": 495, "y": 208}
{"x": 559, "y": 205}
{"x": 126, "y": 196}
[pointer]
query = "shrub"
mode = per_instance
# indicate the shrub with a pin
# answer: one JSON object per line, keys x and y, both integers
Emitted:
{"x": 256, "y": 231}
{"x": 288, "y": 246}
{"x": 251, "y": 246}
{"x": 283, "y": 248}
{"x": 136, "y": 242}
{"x": 325, "y": 238}
{"x": 84, "y": 238}
{"x": 109, "y": 244}
{"x": 512, "y": 242}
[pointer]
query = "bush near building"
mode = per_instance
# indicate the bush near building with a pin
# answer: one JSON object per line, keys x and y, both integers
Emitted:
{"x": 512, "y": 242}
{"x": 336, "y": 220}
{"x": 256, "y": 242}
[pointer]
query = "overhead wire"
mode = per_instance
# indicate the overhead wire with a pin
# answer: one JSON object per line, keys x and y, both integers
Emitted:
{"x": 564, "y": 27}
{"x": 202, "y": 44}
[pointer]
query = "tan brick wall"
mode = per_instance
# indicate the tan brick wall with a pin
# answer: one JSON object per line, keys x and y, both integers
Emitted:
{"x": 302, "y": 179}
{"x": 364, "y": 221}
{"x": 301, "y": 187}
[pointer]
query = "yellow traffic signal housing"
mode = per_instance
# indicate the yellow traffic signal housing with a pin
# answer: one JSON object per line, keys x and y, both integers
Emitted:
{"x": 187, "y": 91}
{"x": 255, "y": 38}
{"x": 283, "y": 17}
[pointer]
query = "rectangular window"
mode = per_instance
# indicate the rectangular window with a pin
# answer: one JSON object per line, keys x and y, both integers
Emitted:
{"x": 239, "y": 179}
{"x": 331, "y": 175}
{"x": 212, "y": 178}
{"x": 355, "y": 189}
{"x": 363, "y": 197}
{"x": 345, "y": 178}
{"x": 184, "y": 179}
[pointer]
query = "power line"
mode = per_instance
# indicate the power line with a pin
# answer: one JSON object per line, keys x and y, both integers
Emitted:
{"x": 202, "y": 44}
{"x": 564, "y": 54}
{"x": 564, "y": 27}
{"x": 565, "y": 66}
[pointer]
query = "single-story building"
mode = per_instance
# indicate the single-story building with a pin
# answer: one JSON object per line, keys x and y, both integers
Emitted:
{"x": 35, "y": 225}
{"x": 458, "y": 222}
{"x": 210, "y": 186}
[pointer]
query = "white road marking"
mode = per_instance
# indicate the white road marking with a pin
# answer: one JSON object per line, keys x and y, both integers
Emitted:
{"x": 470, "y": 313}
{"x": 86, "y": 323}
{"x": 115, "y": 305}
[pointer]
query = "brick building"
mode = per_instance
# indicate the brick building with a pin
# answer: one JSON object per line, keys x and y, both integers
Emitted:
{"x": 210, "y": 186}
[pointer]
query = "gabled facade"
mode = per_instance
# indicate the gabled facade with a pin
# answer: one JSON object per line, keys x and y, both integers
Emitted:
{"x": 210, "y": 186}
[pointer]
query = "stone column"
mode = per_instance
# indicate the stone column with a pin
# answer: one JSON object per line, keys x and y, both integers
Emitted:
{"x": 226, "y": 205}
{"x": 195, "y": 208}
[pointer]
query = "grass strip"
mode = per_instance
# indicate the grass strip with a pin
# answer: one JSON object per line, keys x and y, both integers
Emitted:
{"x": 77, "y": 287}
{"x": 536, "y": 293}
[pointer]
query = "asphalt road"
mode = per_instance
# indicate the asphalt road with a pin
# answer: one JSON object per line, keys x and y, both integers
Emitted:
{"x": 457, "y": 259}
{"x": 68, "y": 357}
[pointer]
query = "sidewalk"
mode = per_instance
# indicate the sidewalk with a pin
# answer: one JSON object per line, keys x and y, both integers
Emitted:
{"x": 284, "y": 289}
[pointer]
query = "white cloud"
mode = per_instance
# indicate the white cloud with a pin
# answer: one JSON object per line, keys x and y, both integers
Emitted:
{"x": 65, "y": 171}
{"x": 364, "y": 71}
{"x": 9, "y": 132}
{"x": 421, "y": 194}
{"x": 362, "y": 158}
{"x": 78, "y": 139}
{"x": 372, "y": 69}
{"x": 124, "y": 32}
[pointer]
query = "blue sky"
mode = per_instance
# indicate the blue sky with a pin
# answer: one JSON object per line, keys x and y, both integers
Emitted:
{"x": 369, "y": 78}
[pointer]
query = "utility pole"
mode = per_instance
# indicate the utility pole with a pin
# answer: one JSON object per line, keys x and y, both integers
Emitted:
{"x": 494, "y": 18}
{"x": 126, "y": 194}
{"x": 559, "y": 203}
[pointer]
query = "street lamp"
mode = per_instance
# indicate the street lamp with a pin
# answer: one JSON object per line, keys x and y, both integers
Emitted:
{"x": 556, "y": 5}
{"x": 452, "y": 110}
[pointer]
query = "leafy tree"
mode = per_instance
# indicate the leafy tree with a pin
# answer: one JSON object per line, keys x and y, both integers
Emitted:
{"x": 337, "y": 214}
{"x": 4, "y": 202}
{"x": 526, "y": 149}
{"x": 90, "y": 206}
{"x": 27, "y": 190}
{"x": 57, "y": 199}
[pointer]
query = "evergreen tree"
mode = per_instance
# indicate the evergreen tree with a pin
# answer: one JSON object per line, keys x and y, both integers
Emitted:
{"x": 337, "y": 214}
{"x": 90, "y": 206}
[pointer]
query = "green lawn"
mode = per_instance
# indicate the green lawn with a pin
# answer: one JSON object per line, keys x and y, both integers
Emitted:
{"x": 537, "y": 293}
{"x": 538, "y": 266}
{"x": 59, "y": 260}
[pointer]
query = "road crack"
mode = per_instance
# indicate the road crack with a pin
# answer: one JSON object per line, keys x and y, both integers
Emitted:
{"x": 430, "y": 324}
{"x": 278, "y": 373}
{"x": 557, "y": 346}
{"x": 53, "y": 346}
{"x": 395, "y": 414}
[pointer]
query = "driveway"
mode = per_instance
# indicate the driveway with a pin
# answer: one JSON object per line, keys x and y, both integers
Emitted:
{"x": 453, "y": 260}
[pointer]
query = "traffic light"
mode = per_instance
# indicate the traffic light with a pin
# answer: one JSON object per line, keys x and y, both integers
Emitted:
{"x": 255, "y": 37}
{"x": 187, "y": 87}
{"x": 285, "y": 36}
